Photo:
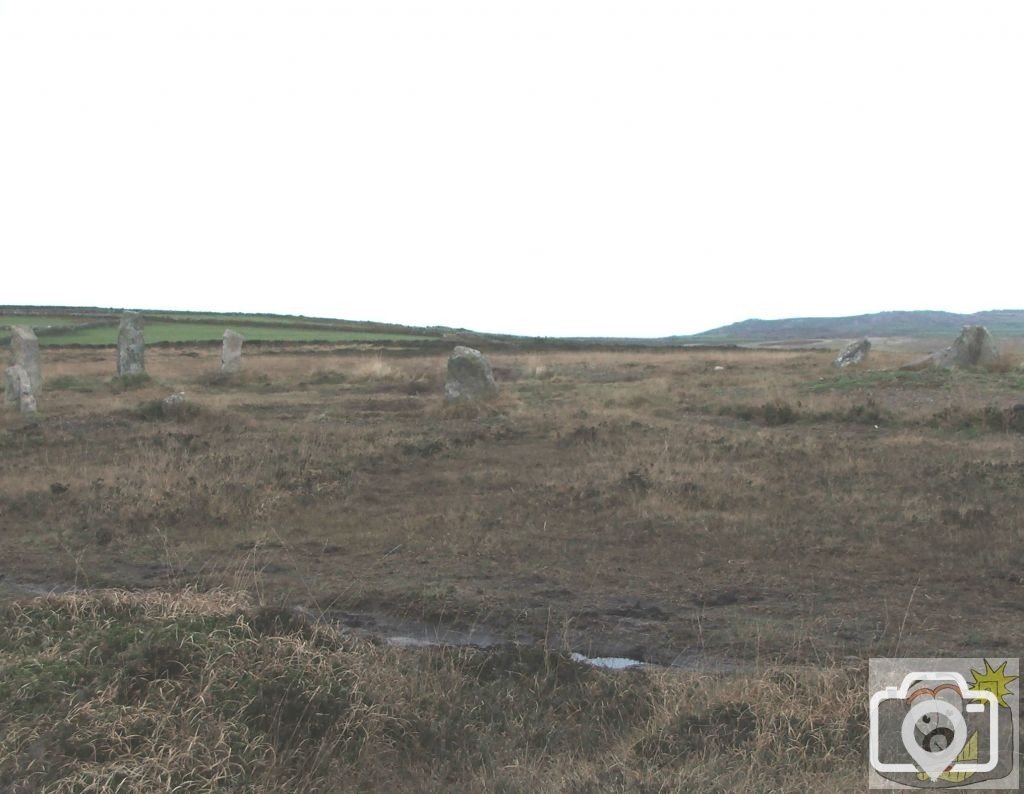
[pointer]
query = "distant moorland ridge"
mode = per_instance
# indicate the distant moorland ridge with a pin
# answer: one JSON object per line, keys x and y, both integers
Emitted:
{"x": 1003, "y": 322}
{"x": 63, "y": 325}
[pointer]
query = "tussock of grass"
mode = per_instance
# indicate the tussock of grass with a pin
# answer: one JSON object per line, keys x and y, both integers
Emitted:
{"x": 130, "y": 692}
{"x": 501, "y": 405}
{"x": 327, "y": 376}
{"x": 75, "y": 384}
{"x": 258, "y": 382}
{"x": 123, "y": 383}
{"x": 987, "y": 419}
{"x": 1002, "y": 374}
{"x": 770, "y": 414}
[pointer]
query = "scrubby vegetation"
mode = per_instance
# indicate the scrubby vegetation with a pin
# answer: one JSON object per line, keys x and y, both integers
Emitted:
{"x": 122, "y": 692}
{"x": 753, "y": 513}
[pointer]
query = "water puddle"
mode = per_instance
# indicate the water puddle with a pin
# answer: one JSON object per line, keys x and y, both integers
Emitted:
{"x": 607, "y": 662}
{"x": 405, "y": 633}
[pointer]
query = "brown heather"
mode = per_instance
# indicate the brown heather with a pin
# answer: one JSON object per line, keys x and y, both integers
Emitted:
{"x": 773, "y": 524}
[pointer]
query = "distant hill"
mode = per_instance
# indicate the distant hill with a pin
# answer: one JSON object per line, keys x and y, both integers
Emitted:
{"x": 1004, "y": 322}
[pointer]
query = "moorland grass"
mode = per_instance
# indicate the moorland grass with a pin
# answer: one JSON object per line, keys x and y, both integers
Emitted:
{"x": 147, "y": 692}
{"x": 664, "y": 505}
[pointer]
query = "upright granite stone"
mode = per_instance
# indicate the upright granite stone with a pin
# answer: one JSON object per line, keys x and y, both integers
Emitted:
{"x": 131, "y": 347}
{"x": 973, "y": 348}
{"x": 852, "y": 354}
{"x": 469, "y": 376}
{"x": 231, "y": 352}
{"x": 18, "y": 390}
{"x": 25, "y": 353}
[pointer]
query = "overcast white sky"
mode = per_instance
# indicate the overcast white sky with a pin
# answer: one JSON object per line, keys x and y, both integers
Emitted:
{"x": 600, "y": 168}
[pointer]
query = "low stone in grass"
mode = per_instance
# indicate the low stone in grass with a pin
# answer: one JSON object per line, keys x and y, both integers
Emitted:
{"x": 854, "y": 353}
{"x": 174, "y": 405}
{"x": 18, "y": 390}
{"x": 469, "y": 376}
{"x": 131, "y": 345}
{"x": 25, "y": 353}
{"x": 231, "y": 352}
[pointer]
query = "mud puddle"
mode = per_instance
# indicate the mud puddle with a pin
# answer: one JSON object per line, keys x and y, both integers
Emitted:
{"x": 406, "y": 633}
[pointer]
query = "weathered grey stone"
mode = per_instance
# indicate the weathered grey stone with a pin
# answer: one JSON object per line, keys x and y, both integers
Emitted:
{"x": 852, "y": 354}
{"x": 973, "y": 348}
{"x": 920, "y": 363}
{"x": 173, "y": 404}
{"x": 18, "y": 390}
{"x": 131, "y": 346}
{"x": 25, "y": 353}
{"x": 469, "y": 376}
{"x": 231, "y": 352}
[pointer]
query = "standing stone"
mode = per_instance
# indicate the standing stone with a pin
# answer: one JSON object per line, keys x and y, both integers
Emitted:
{"x": 973, "y": 348}
{"x": 853, "y": 353}
{"x": 18, "y": 390}
{"x": 131, "y": 347}
{"x": 25, "y": 352}
{"x": 231, "y": 352}
{"x": 469, "y": 376}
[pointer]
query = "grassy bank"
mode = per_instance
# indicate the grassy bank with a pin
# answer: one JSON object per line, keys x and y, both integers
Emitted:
{"x": 200, "y": 692}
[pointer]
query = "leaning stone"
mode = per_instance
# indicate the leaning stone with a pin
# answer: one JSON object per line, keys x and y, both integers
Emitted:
{"x": 231, "y": 352}
{"x": 973, "y": 348}
{"x": 131, "y": 346}
{"x": 25, "y": 352}
{"x": 18, "y": 390}
{"x": 852, "y": 354}
{"x": 469, "y": 376}
{"x": 920, "y": 363}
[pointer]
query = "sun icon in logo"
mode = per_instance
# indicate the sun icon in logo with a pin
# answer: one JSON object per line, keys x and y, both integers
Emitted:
{"x": 994, "y": 680}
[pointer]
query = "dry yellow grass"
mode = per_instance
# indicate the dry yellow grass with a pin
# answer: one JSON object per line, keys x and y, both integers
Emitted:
{"x": 642, "y": 499}
{"x": 128, "y": 692}
{"x": 769, "y": 514}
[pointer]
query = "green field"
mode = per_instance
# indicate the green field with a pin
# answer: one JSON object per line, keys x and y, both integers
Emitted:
{"x": 42, "y": 320}
{"x": 203, "y": 332}
{"x": 185, "y": 327}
